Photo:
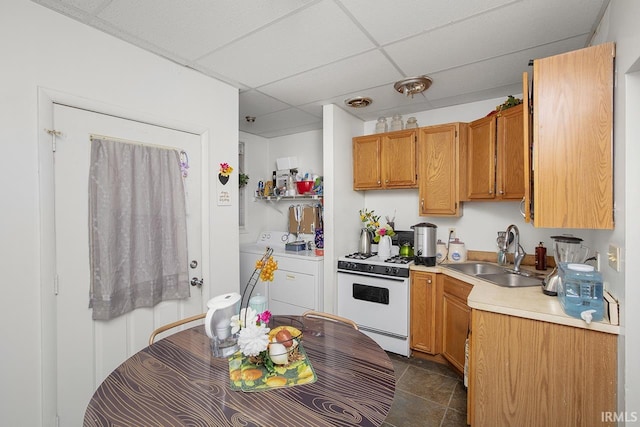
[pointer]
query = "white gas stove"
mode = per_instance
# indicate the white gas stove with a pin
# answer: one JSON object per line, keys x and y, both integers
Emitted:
{"x": 374, "y": 292}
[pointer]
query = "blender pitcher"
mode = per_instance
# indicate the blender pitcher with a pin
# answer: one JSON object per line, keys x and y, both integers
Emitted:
{"x": 566, "y": 248}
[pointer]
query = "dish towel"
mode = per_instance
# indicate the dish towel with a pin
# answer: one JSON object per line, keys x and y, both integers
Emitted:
{"x": 137, "y": 227}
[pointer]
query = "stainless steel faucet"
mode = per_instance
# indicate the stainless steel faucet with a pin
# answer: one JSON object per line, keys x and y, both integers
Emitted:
{"x": 518, "y": 252}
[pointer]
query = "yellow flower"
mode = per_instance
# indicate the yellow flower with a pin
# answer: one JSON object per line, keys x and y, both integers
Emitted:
{"x": 225, "y": 169}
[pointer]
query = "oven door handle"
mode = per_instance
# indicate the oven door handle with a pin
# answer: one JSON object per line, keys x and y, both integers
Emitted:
{"x": 379, "y": 276}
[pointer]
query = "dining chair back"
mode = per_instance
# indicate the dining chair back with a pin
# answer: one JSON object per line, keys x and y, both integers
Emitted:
{"x": 331, "y": 317}
{"x": 175, "y": 324}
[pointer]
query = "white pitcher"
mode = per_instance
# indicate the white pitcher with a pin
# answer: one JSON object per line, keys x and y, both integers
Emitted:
{"x": 217, "y": 323}
{"x": 384, "y": 247}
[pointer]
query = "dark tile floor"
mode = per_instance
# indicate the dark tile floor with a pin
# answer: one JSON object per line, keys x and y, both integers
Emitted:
{"x": 427, "y": 394}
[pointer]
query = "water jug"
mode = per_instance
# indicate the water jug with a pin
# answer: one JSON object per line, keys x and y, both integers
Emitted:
{"x": 580, "y": 291}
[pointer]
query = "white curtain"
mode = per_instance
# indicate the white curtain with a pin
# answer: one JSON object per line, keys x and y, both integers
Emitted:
{"x": 137, "y": 227}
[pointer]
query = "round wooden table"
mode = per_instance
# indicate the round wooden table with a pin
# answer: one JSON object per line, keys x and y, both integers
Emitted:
{"x": 177, "y": 382}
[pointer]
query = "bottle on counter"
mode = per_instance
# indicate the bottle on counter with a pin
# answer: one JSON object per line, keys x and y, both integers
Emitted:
{"x": 541, "y": 257}
{"x": 580, "y": 291}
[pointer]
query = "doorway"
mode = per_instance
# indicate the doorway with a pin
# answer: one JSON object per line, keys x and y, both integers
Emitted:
{"x": 79, "y": 352}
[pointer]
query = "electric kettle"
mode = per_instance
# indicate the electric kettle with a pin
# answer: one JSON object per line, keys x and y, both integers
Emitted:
{"x": 217, "y": 323}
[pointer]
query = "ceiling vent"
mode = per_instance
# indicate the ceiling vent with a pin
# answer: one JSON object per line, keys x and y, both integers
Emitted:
{"x": 413, "y": 85}
{"x": 358, "y": 102}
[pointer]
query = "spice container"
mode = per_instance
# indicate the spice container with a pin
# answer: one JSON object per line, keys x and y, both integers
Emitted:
{"x": 541, "y": 257}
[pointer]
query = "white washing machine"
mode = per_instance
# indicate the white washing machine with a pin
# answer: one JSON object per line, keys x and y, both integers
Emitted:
{"x": 298, "y": 283}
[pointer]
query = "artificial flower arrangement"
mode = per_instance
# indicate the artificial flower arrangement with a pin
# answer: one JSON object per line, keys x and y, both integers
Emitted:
{"x": 369, "y": 219}
{"x": 256, "y": 340}
{"x": 223, "y": 174}
{"x": 225, "y": 169}
{"x": 386, "y": 230}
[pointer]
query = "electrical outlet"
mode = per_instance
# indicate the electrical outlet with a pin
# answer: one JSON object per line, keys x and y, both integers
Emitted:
{"x": 452, "y": 233}
{"x": 614, "y": 257}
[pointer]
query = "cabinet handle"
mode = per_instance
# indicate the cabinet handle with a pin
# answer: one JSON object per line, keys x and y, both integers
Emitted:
{"x": 290, "y": 277}
{"x": 386, "y": 181}
{"x": 501, "y": 192}
{"x": 421, "y": 205}
{"x": 429, "y": 281}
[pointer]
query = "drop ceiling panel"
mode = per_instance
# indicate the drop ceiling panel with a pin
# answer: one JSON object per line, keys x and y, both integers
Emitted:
{"x": 480, "y": 38}
{"x": 366, "y": 70}
{"x": 195, "y": 27}
{"x": 254, "y": 103}
{"x": 388, "y": 21}
{"x": 315, "y": 36}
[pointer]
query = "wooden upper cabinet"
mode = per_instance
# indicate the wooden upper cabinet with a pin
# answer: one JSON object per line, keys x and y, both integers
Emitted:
{"x": 441, "y": 152}
{"x": 366, "y": 162}
{"x": 495, "y": 163}
{"x": 385, "y": 161}
{"x": 573, "y": 139}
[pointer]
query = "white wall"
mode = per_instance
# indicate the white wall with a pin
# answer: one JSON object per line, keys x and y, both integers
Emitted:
{"x": 620, "y": 24}
{"x": 43, "y": 49}
{"x": 258, "y": 168}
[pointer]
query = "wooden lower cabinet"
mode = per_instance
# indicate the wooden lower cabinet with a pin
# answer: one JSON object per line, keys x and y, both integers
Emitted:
{"x": 426, "y": 309}
{"x": 527, "y": 372}
{"x": 456, "y": 318}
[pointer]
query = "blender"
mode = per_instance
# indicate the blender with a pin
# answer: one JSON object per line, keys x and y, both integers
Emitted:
{"x": 566, "y": 248}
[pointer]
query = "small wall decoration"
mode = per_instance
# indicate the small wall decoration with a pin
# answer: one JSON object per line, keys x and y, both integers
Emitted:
{"x": 224, "y": 195}
{"x": 225, "y": 171}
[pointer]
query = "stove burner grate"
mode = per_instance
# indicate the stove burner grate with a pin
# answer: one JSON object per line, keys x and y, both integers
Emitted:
{"x": 359, "y": 255}
{"x": 398, "y": 260}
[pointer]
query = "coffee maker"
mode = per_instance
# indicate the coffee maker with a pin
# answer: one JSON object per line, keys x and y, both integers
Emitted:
{"x": 566, "y": 248}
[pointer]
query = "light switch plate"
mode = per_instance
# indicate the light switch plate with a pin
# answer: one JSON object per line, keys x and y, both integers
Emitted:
{"x": 614, "y": 257}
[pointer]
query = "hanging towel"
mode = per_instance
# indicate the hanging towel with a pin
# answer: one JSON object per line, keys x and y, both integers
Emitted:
{"x": 137, "y": 227}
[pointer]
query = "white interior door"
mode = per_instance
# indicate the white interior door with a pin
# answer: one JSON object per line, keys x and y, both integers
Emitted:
{"x": 87, "y": 350}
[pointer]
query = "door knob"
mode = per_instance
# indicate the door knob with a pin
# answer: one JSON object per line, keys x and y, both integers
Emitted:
{"x": 196, "y": 282}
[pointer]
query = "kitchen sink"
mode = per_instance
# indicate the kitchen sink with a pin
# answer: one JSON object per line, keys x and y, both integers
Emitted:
{"x": 475, "y": 268}
{"x": 497, "y": 275}
{"x": 510, "y": 280}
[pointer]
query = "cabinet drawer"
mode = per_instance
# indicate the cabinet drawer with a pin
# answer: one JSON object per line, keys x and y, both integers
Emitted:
{"x": 456, "y": 288}
{"x": 293, "y": 288}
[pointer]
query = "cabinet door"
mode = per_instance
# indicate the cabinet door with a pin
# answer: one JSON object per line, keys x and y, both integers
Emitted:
{"x": 425, "y": 313}
{"x": 510, "y": 154}
{"x": 399, "y": 159}
{"x": 456, "y": 318}
{"x": 366, "y": 162}
{"x": 572, "y": 139}
{"x": 441, "y": 150}
{"x": 481, "y": 174}
{"x": 531, "y": 373}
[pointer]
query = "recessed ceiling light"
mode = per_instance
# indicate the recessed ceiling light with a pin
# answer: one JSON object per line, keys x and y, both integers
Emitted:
{"x": 250, "y": 119}
{"x": 358, "y": 102}
{"x": 412, "y": 85}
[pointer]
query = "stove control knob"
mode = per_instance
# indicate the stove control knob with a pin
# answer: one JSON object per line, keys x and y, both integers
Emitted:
{"x": 388, "y": 270}
{"x": 396, "y": 270}
{"x": 371, "y": 267}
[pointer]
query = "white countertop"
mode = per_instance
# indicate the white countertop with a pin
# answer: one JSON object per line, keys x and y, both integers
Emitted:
{"x": 525, "y": 302}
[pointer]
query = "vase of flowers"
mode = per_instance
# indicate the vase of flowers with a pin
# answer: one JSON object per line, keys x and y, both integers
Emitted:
{"x": 224, "y": 173}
